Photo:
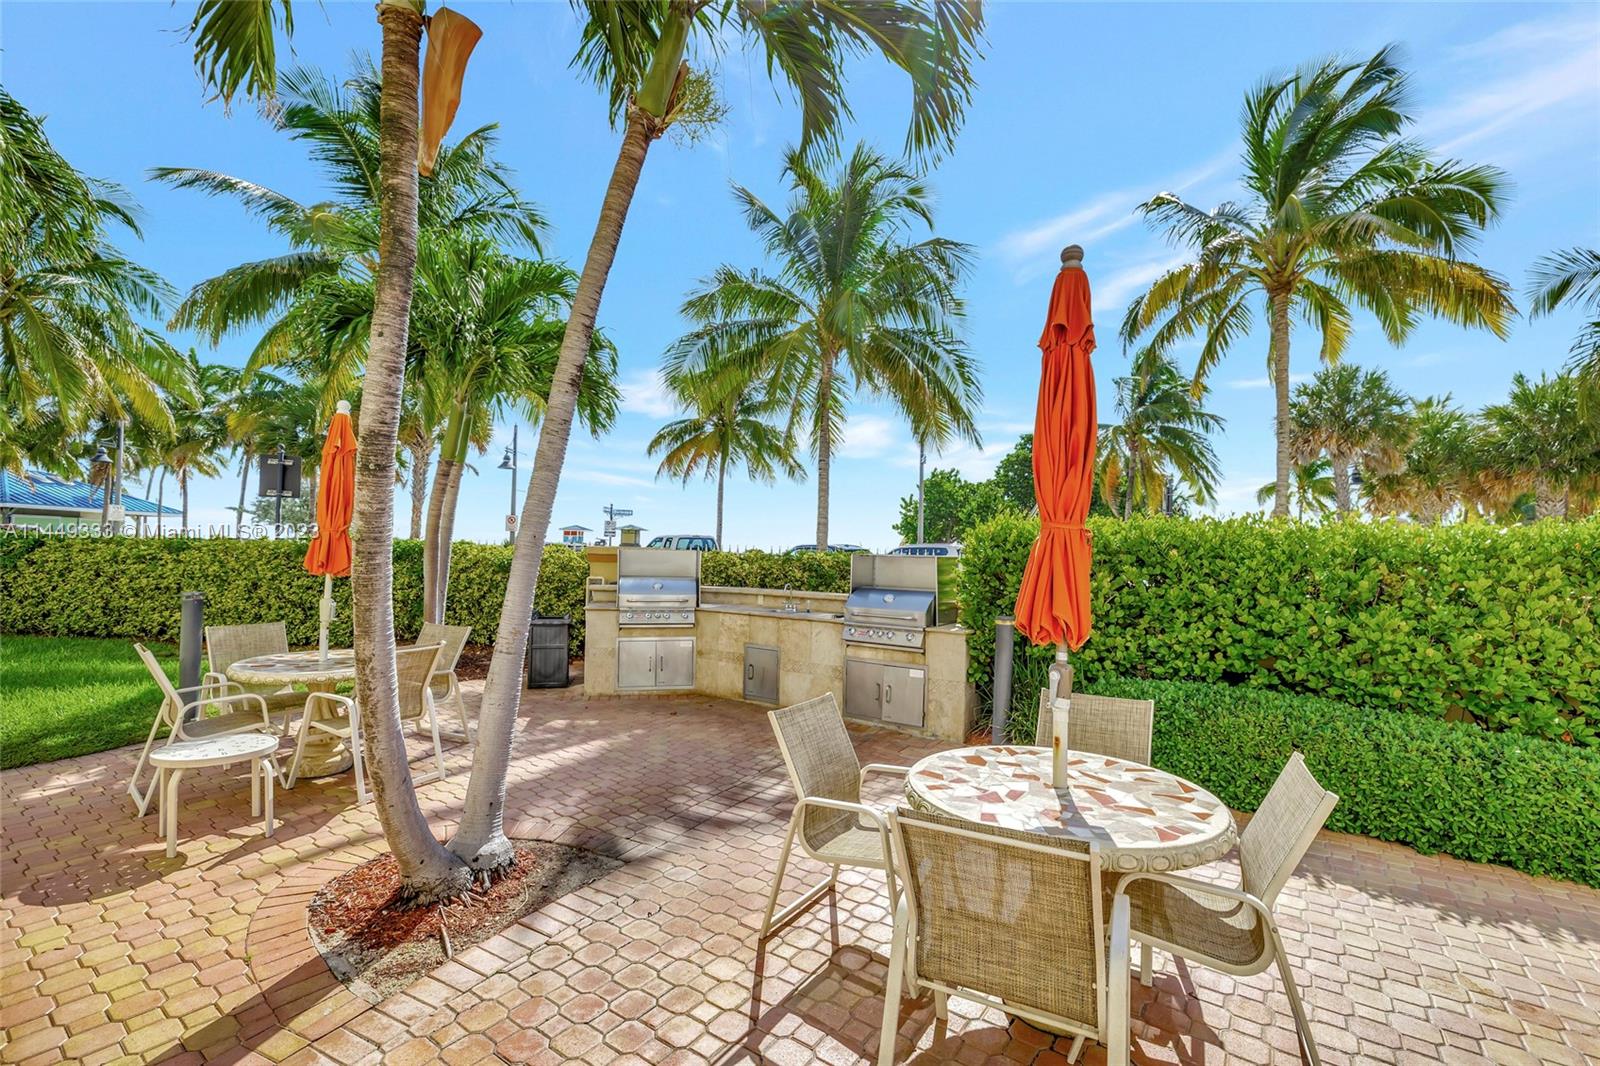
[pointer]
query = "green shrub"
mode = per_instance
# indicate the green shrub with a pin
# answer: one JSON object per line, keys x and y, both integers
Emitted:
{"x": 1527, "y": 803}
{"x": 1477, "y": 623}
{"x": 802, "y": 571}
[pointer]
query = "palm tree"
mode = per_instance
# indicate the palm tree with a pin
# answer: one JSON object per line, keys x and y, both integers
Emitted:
{"x": 1573, "y": 276}
{"x": 1356, "y": 418}
{"x": 199, "y": 433}
{"x": 851, "y": 307}
{"x": 1538, "y": 441}
{"x": 637, "y": 53}
{"x": 234, "y": 48}
{"x": 1440, "y": 470}
{"x": 1161, "y": 438}
{"x": 727, "y": 425}
{"x": 1312, "y": 488}
{"x": 71, "y": 344}
{"x": 1341, "y": 212}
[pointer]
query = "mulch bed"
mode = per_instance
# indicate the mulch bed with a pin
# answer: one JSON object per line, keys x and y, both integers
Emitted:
{"x": 474, "y": 662}
{"x": 377, "y": 949}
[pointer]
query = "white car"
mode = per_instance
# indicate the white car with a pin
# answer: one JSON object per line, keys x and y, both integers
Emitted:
{"x": 684, "y": 542}
{"x": 947, "y": 551}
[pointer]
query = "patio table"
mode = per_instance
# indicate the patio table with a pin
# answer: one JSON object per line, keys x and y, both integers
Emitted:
{"x": 325, "y": 754}
{"x": 1144, "y": 819}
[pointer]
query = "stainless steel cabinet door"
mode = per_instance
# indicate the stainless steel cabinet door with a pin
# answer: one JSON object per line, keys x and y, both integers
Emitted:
{"x": 903, "y": 690}
{"x": 636, "y": 663}
{"x": 675, "y": 663}
{"x": 761, "y": 673}
{"x": 863, "y": 690}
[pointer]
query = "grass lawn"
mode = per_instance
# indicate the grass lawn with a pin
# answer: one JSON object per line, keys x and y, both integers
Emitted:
{"x": 62, "y": 696}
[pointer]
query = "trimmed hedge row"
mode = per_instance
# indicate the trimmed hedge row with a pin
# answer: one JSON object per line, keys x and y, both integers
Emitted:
{"x": 130, "y": 587}
{"x": 1523, "y": 802}
{"x": 1478, "y": 623}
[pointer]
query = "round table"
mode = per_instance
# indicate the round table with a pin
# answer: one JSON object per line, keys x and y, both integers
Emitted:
{"x": 1143, "y": 819}
{"x": 173, "y": 760}
{"x": 325, "y": 755}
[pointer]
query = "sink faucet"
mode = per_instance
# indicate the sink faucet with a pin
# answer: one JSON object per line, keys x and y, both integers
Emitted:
{"x": 788, "y": 604}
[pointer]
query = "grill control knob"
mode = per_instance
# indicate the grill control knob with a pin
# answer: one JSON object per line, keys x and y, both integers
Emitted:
{"x": 911, "y": 636}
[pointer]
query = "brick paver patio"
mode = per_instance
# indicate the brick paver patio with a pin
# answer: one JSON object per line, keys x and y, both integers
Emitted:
{"x": 114, "y": 953}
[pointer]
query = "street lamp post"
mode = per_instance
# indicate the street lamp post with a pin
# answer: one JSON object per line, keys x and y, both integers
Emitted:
{"x": 510, "y": 463}
{"x": 922, "y": 465}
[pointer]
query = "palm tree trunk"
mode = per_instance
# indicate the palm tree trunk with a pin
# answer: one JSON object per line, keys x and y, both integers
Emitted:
{"x": 1548, "y": 501}
{"x": 824, "y": 446}
{"x": 1280, "y": 389}
{"x": 421, "y": 460}
{"x": 432, "y": 554}
{"x": 183, "y": 497}
{"x": 105, "y": 500}
{"x": 1128, "y": 483}
{"x": 161, "y": 495}
{"x": 244, "y": 483}
{"x": 722, "y": 480}
{"x": 481, "y": 838}
{"x": 428, "y": 871}
{"x": 447, "y": 536}
{"x": 1341, "y": 484}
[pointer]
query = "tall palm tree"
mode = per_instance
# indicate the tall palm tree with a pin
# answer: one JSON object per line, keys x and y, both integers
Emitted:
{"x": 1342, "y": 212}
{"x": 850, "y": 307}
{"x": 1161, "y": 438}
{"x": 1572, "y": 276}
{"x": 72, "y": 346}
{"x": 1538, "y": 441}
{"x": 1356, "y": 418}
{"x": 638, "y": 53}
{"x": 1312, "y": 488}
{"x": 234, "y": 48}
{"x": 728, "y": 424}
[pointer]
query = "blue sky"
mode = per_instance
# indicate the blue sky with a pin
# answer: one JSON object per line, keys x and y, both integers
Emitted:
{"x": 1083, "y": 110}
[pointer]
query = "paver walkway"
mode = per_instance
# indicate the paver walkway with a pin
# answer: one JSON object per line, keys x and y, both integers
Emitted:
{"x": 111, "y": 952}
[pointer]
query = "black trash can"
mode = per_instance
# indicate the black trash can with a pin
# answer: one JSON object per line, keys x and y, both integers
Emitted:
{"x": 547, "y": 652}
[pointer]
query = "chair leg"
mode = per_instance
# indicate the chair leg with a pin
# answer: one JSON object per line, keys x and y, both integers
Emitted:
{"x": 299, "y": 750}
{"x": 438, "y": 749}
{"x": 1075, "y": 1050}
{"x": 269, "y": 773}
{"x": 891, "y": 994}
{"x": 461, "y": 710}
{"x": 777, "y": 879}
{"x": 169, "y": 808}
{"x": 255, "y": 788}
{"x": 1144, "y": 965}
{"x": 142, "y": 800}
{"x": 1302, "y": 1023}
{"x": 941, "y": 1006}
{"x": 355, "y": 755}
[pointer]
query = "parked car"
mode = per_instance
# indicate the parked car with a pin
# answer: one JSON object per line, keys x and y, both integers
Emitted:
{"x": 850, "y": 548}
{"x": 684, "y": 542}
{"x": 944, "y": 551}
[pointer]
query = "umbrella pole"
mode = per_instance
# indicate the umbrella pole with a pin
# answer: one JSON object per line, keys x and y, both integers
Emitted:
{"x": 327, "y": 616}
{"x": 1060, "y": 710}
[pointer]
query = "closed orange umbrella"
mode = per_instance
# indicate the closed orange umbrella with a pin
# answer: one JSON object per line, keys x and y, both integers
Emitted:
{"x": 329, "y": 551}
{"x": 1053, "y": 602}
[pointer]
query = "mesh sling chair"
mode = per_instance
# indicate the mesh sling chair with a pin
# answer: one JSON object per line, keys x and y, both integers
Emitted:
{"x": 238, "y": 712}
{"x": 1008, "y": 919}
{"x": 414, "y": 670}
{"x": 1230, "y": 929}
{"x": 1105, "y": 725}
{"x": 829, "y": 822}
{"x": 446, "y": 685}
{"x": 226, "y": 645}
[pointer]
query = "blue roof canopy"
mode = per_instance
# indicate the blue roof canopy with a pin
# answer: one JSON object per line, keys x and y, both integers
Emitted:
{"x": 51, "y": 493}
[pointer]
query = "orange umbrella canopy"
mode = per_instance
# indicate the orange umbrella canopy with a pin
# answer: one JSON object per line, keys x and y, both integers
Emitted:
{"x": 329, "y": 553}
{"x": 1053, "y": 603}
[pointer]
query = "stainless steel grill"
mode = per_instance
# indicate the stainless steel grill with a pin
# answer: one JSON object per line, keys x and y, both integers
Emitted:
{"x": 657, "y": 588}
{"x": 889, "y": 616}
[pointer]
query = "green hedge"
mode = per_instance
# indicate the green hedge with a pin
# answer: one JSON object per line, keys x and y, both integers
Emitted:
{"x": 1523, "y": 802}
{"x": 1474, "y": 622}
{"x": 130, "y": 587}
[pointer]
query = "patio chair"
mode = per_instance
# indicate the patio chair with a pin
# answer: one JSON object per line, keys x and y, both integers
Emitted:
{"x": 414, "y": 667}
{"x": 1106, "y": 725}
{"x": 830, "y": 822}
{"x": 446, "y": 685}
{"x": 226, "y": 645}
{"x": 1008, "y": 919}
{"x": 237, "y": 711}
{"x": 1232, "y": 929}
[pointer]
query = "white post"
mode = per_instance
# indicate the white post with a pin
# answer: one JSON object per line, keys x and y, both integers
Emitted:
{"x": 327, "y": 617}
{"x": 1060, "y": 711}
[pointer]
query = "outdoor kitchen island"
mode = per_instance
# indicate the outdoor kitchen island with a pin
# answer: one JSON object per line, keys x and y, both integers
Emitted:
{"x": 774, "y": 647}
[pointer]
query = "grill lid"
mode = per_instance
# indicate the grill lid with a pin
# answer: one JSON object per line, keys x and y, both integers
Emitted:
{"x": 667, "y": 591}
{"x": 902, "y": 606}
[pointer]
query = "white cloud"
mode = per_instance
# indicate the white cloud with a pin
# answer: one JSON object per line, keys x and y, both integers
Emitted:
{"x": 1032, "y": 250}
{"x": 1237, "y": 495}
{"x": 645, "y": 393}
{"x": 1263, "y": 382}
{"x": 1112, "y": 292}
{"x": 869, "y": 436}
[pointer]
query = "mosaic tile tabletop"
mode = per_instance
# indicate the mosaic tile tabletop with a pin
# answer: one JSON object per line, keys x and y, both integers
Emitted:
{"x": 295, "y": 668}
{"x": 1143, "y": 819}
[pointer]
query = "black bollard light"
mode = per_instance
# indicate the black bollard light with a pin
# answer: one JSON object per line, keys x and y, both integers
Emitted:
{"x": 190, "y": 637}
{"x": 1005, "y": 634}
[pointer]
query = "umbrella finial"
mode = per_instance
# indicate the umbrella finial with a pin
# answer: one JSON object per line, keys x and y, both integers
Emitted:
{"x": 343, "y": 406}
{"x": 1072, "y": 257}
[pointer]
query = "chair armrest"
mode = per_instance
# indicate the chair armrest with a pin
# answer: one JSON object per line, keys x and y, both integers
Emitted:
{"x": 332, "y": 697}
{"x": 235, "y": 697}
{"x": 1238, "y": 895}
{"x": 1117, "y": 966}
{"x": 882, "y": 768}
